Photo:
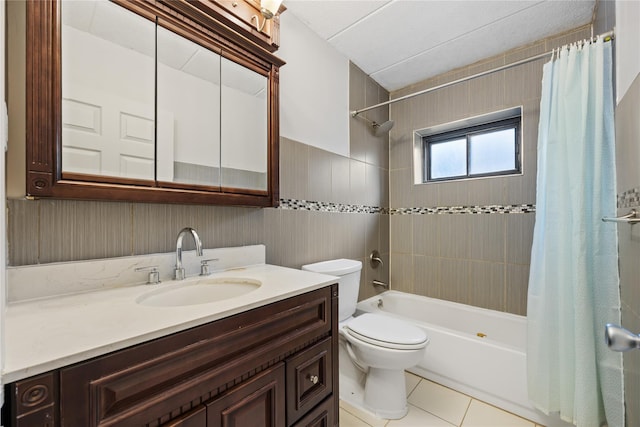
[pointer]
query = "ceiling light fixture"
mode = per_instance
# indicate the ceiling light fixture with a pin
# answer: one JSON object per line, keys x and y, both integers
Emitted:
{"x": 268, "y": 8}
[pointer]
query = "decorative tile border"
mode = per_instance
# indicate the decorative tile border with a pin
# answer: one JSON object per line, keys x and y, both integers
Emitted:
{"x": 306, "y": 205}
{"x": 473, "y": 210}
{"x": 629, "y": 198}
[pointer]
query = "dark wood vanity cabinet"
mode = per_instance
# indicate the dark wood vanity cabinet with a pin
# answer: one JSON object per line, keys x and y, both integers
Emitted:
{"x": 271, "y": 366}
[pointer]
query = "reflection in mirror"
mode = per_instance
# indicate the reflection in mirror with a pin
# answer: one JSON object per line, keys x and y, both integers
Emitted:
{"x": 188, "y": 111}
{"x": 244, "y": 128}
{"x": 107, "y": 91}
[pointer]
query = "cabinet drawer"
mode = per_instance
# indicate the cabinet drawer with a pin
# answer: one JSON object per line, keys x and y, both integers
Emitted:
{"x": 309, "y": 379}
{"x": 321, "y": 416}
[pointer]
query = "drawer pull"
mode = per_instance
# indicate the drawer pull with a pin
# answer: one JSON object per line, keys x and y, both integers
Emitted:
{"x": 234, "y": 4}
{"x": 313, "y": 379}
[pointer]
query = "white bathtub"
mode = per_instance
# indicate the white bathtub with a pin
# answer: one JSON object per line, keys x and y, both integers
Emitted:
{"x": 476, "y": 351}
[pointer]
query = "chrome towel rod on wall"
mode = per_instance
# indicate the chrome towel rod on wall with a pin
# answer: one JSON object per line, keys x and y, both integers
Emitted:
{"x": 632, "y": 218}
{"x": 606, "y": 36}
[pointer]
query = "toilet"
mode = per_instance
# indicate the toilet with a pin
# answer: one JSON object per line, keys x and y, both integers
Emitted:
{"x": 373, "y": 347}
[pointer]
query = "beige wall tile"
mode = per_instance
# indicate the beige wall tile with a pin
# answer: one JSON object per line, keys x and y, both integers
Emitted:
{"x": 236, "y": 226}
{"x": 401, "y": 272}
{"x": 425, "y": 235}
{"x": 426, "y": 276}
{"x": 294, "y": 163}
{"x": 453, "y": 193}
{"x": 485, "y": 192}
{"x": 570, "y": 36}
{"x": 272, "y": 232}
{"x": 400, "y": 186}
{"x": 320, "y": 236}
{"x": 454, "y": 234}
{"x": 340, "y": 180}
{"x": 517, "y": 282}
{"x": 294, "y": 238}
{"x": 23, "y": 223}
{"x": 402, "y": 234}
{"x": 487, "y": 283}
{"x": 319, "y": 175}
{"x": 358, "y": 190}
{"x": 519, "y": 237}
{"x": 487, "y": 237}
{"x": 487, "y": 94}
{"x": 454, "y": 280}
{"x": 357, "y": 126}
{"x": 76, "y": 230}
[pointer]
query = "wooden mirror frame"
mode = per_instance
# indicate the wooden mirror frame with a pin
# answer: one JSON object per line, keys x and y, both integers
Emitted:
{"x": 44, "y": 106}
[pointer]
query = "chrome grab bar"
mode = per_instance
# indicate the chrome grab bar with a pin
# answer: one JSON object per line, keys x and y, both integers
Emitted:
{"x": 631, "y": 218}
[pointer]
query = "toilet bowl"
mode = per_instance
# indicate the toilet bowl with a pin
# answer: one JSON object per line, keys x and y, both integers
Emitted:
{"x": 379, "y": 347}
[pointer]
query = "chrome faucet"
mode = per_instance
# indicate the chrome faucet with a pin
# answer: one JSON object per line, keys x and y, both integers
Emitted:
{"x": 179, "y": 271}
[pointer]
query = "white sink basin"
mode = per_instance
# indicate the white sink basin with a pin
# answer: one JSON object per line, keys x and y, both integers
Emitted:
{"x": 198, "y": 291}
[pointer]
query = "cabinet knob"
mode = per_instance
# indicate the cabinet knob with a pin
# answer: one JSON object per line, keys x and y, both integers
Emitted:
{"x": 234, "y": 4}
{"x": 313, "y": 379}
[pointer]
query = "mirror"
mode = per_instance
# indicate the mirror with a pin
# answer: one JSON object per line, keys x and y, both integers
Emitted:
{"x": 152, "y": 105}
{"x": 189, "y": 99}
{"x": 107, "y": 91}
{"x": 244, "y": 128}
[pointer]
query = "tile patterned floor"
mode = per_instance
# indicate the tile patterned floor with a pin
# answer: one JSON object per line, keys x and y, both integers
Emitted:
{"x": 432, "y": 405}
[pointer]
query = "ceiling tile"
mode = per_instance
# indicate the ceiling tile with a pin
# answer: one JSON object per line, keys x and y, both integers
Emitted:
{"x": 328, "y": 18}
{"x": 550, "y": 17}
{"x": 402, "y": 42}
{"x": 407, "y": 28}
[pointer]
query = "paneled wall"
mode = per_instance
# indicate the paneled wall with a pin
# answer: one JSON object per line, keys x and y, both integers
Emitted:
{"x": 346, "y": 223}
{"x": 478, "y": 259}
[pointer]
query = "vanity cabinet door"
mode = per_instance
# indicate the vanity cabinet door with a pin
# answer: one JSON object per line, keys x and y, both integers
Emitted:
{"x": 258, "y": 401}
{"x": 321, "y": 416}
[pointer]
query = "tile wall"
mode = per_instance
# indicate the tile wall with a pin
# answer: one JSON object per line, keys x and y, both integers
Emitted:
{"x": 628, "y": 182}
{"x": 478, "y": 259}
{"x": 628, "y": 177}
{"x": 45, "y": 231}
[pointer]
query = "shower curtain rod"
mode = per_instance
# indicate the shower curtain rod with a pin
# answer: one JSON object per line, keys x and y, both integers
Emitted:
{"x": 607, "y": 36}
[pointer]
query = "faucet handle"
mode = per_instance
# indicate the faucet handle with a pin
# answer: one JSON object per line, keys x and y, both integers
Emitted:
{"x": 154, "y": 274}
{"x": 204, "y": 266}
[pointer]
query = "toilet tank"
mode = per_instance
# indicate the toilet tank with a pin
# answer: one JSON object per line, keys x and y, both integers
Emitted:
{"x": 348, "y": 271}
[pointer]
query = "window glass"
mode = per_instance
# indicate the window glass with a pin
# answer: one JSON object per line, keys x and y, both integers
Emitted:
{"x": 449, "y": 159}
{"x": 485, "y": 149}
{"x": 492, "y": 151}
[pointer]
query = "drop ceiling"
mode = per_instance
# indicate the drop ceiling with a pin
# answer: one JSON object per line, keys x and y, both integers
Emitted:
{"x": 401, "y": 42}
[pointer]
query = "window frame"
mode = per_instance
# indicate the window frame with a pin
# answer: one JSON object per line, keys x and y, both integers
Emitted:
{"x": 513, "y": 122}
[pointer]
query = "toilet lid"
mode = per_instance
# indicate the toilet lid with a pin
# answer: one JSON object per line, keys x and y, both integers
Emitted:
{"x": 386, "y": 331}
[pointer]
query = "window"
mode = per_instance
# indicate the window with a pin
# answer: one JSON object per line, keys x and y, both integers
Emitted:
{"x": 480, "y": 150}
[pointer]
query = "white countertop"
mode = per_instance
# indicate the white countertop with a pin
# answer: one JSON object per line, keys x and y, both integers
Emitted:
{"x": 49, "y": 333}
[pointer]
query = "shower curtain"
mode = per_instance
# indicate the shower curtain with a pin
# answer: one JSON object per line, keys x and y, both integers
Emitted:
{"x": 573, "y": 281}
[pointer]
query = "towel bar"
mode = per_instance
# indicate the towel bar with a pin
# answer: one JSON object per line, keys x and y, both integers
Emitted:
{"x": 631, "y": 218}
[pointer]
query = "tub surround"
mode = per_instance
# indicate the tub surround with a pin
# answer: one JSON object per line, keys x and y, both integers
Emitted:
{"x": 50, "y": 331}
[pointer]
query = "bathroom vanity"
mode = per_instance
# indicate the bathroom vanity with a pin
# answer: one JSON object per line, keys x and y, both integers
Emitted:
{"x": 104, "y": 358}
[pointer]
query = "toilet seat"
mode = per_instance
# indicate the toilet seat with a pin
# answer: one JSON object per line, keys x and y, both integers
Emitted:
{"x": 387, "y": 332}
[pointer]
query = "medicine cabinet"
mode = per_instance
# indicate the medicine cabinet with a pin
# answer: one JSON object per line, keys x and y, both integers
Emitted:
{"x": 166, "y": 101}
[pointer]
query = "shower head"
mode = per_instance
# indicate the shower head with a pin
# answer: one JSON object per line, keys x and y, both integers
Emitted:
{"x": 619, "y": 339}
{"x": 382, "y": 128}
{"x": 378, "y": 128}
